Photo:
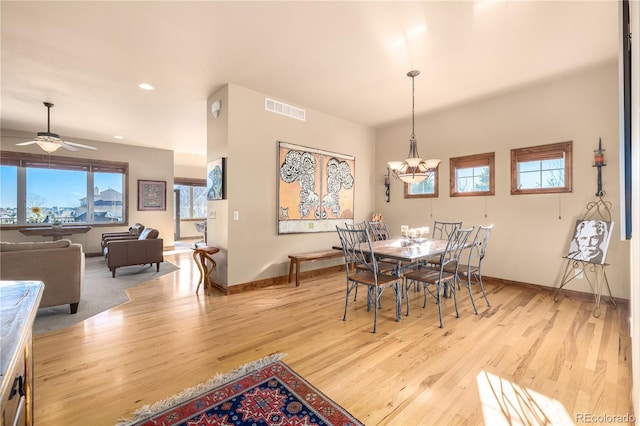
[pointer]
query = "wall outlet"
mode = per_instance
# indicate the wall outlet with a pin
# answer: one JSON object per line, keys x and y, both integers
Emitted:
{"x": 236, "y": 215}
{"x": 578, "y": 273}
{"x": 212, "y": 214}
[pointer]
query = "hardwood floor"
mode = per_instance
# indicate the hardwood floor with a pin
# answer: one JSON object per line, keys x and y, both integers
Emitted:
{"x": 526, "y": 360}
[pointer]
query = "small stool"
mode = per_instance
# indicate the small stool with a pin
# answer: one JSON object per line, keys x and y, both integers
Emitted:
{"x": 205, "y": 263}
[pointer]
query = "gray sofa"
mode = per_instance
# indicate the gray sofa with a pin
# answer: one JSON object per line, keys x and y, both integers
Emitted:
{"x": 58, "y": 264}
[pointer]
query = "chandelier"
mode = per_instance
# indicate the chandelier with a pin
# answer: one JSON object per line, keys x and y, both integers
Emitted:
{"x": 414, "y": 169}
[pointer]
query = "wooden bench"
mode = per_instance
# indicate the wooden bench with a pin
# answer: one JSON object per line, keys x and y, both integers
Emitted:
{"x": 312, "y": 256}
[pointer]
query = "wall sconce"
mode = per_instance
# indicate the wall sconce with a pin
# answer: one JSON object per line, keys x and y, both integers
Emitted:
{"x": 598, "y": 161}
{"x": 387, "y": 185}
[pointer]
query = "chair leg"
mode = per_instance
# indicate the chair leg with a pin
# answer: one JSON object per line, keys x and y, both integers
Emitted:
{"x": 479, "y": 276}
{"x": 438, "y": 300}
{"x": 346, "y": 299}
{"x": 455, "y": 297}
{"x": 473, "y": 303}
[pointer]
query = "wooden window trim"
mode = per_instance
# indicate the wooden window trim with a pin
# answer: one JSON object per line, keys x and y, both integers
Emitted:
{"x": 543, "y": 152}
{"x": 436, "y": 173}
{"x": 476, "y": 160}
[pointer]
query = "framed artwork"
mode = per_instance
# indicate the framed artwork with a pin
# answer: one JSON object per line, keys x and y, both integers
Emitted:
{"x": 152, "y": 195}
{"x": 590, "y": 241}
{"x": 216, "y": 179}
{"x": 315, "y": 189}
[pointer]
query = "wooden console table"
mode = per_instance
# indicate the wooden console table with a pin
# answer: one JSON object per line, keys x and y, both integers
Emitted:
{"x": 205, "y": 263}
{"x": 19, "y": 301}
{"x": 56, "y": 233}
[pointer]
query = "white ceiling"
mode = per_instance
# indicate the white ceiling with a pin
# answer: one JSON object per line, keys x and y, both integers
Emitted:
{"x": 347, "y": 59}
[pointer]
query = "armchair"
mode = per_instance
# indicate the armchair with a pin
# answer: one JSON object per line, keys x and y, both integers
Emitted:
{"x": 132, "y": 234}
{"x": 148, "y": 248}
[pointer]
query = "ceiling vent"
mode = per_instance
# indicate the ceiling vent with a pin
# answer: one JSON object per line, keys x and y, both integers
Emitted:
{"x": 284, "y": 109}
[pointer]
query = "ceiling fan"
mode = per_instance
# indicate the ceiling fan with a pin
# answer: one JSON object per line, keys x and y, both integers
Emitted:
{"x": 50, "y": 142}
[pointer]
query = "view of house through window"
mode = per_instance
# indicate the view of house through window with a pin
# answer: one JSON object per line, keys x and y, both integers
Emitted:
{"x": 55, "y": 191}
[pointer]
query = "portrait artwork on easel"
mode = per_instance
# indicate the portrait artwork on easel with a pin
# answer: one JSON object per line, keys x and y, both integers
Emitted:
{"x": 590, "y": 241}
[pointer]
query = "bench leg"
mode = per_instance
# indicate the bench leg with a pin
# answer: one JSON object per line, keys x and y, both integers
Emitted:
{"x": 290, "y": 269}
{"x": 297, "y": 273}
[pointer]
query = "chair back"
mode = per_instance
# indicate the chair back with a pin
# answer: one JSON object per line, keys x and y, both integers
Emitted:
{"x": 360, "y": 226}
{"x": 455, "y": 246}
{"x": 357, "y": 248}
{"x": 379, "y": 230}
{"x": 479, "y": 247}
{"x": 443, "y": 230}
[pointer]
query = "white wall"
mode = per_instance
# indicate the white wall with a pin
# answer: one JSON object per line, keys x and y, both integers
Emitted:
{"x": 530, "y": 238}
{"x": 255, "y": 251}
{"x": 144, "y": 163}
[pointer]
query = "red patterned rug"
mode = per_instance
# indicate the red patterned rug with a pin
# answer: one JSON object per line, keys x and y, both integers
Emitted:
{"x": 264, "y": 392}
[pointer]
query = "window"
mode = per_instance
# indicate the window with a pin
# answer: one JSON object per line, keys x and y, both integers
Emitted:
{"x": 193, "y": 197}
{"x": 472, "y": 175}
{"x": 55, "y": 189}
{"x": 428, "y": 188}
{"x": 542, "y": 169}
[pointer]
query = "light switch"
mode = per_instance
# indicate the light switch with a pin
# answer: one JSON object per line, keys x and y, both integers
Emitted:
{"x": 236, "y": 215}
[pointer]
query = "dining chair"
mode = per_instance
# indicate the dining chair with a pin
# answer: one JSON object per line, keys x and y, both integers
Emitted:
{"x": 385, "y": 267}
{"x": 439, "y": 276}
{"x": 442, "y": 231}
{"x": 357, "y": 249}
{"x": 473, "y": 268}
{"x": 378, "y": 230}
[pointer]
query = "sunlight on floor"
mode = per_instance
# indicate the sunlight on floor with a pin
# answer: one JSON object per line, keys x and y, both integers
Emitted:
{"x": 506, "y": 403}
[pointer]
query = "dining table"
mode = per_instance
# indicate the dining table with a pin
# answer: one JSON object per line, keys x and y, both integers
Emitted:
{"x": 405, "y": 250}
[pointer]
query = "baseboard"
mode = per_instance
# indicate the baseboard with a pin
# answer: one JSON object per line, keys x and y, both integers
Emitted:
{"x": 283, "y": 280}
{"x": 569, "y": 294}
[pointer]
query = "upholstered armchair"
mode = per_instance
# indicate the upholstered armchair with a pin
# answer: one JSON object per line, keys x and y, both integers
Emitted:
{"x": 146, "y": 249}
{"x": 132, "y": 234}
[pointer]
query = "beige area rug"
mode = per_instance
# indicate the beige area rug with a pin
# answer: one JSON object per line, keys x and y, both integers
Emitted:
{"x": 100, "y": 292}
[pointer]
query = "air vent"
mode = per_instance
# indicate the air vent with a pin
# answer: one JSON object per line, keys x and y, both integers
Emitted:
{"x": 284, "y": 109}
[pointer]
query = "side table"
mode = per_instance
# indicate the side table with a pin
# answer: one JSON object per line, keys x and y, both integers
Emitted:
{"x": 206, "y": 264}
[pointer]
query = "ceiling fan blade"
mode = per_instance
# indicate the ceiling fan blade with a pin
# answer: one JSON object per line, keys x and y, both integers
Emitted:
{"x": 79, "y": 145}
{"x": 68, "y": 147}
{"x": 26, "y": 143}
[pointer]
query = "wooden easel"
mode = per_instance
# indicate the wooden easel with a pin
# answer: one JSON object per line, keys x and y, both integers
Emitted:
{"x": 601, "y": 210}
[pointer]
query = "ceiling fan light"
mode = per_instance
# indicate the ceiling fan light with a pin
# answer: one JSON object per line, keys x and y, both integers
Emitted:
{"x": 48, "y": 146}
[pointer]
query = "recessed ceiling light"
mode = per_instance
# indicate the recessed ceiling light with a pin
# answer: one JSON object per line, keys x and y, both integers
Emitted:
{"x": 118, "y": 137}
{"x": 145, "y": 86}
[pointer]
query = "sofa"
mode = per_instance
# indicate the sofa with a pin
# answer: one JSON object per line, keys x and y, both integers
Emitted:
{"x": 58, "y": 264}
{"x": 148, "y": 248}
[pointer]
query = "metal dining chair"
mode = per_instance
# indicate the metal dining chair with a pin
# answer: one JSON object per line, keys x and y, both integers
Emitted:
{"x": 439, "y": 276}
{"x": 473, "y": 268}
{"x": 378, "y": 230}
{"x": 357, "y": 249}
{"x": 442, "y": 231}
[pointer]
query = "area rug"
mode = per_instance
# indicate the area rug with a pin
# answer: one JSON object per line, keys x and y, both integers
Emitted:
{"x": 264, "y": 392}
{"x": 100, "y": 292}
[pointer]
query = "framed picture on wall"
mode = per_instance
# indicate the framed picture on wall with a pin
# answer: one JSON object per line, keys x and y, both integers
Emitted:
{"x": 152, "y": 195}
{"x": 216, "y": 179}
{"x": 315, "y": 189}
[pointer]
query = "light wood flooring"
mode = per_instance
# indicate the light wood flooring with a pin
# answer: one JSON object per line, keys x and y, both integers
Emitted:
{"x": 525, "y": 360}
